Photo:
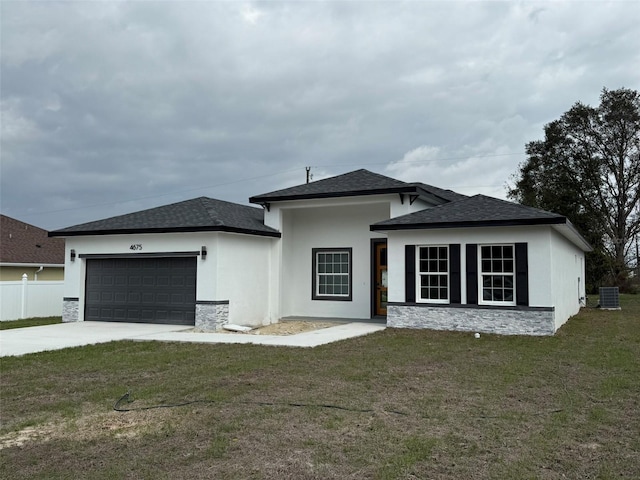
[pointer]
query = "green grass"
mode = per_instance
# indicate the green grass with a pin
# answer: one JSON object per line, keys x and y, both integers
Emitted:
{"x": 29, "y": 322}
{"x": 498, "y": 407}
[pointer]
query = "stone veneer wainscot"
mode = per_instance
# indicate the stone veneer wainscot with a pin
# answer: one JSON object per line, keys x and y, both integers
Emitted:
{"x": 211, "y": 316}
{"x": 467, "y": 318}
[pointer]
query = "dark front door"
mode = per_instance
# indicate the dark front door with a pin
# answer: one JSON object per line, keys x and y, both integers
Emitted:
{"x": 380, "y": 279}
{"x": 141, "y": 290}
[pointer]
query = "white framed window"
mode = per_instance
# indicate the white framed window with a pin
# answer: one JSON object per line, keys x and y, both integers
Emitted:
{"x": 331, "y": 274}
{"x": 433, "y": 274}
{"x": 497, "y": 280}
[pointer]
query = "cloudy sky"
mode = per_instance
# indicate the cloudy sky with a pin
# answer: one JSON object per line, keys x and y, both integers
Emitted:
{"x": 113, "y": 107}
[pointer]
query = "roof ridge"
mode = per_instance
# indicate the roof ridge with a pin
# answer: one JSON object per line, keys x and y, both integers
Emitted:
{"x": 438, "y": 191}
{"x": 208, "y": 210}
{"x": 209, "y": 206}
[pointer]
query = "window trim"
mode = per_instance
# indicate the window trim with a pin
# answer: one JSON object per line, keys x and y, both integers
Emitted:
{"x": 503, "y": 303}
{"x": 314, "y": 275}
{"x": 419, "y": 274}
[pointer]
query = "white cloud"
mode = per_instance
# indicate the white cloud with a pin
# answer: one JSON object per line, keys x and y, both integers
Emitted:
{"x": 482, "y": 168}
{"x": 251, "y": 14}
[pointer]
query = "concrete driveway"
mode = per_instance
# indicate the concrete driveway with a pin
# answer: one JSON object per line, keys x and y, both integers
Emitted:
{"x": 21, "y": 341}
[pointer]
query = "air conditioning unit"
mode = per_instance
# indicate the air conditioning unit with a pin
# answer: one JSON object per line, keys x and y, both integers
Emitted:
{"x": 609, "y": 298}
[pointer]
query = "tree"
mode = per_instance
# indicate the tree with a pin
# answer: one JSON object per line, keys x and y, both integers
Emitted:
{"x": 588, "y": 169}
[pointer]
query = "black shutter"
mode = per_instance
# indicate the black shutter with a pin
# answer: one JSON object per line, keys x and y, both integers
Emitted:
{"x": 472, "y": 274}
{"x": 410, "y": 273}
{"x": 522, "y": 274}
{"x": 455, "y": 295}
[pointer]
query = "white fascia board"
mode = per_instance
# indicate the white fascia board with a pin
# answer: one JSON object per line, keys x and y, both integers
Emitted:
{"x": 570, "y": 233}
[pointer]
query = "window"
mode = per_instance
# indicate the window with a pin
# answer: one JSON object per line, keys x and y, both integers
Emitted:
{"x": 497, "y": 279}
{"x": 331, "y": 274}
{"x": 433, "y": 273}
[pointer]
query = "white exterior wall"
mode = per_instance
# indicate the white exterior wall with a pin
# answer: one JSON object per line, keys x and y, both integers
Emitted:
{"x": 405, "y": 207}
{"x": 567, "y": 277}
{"x": 539, "y": 253}
{"x": 74, "y": 285}
{"x": 326, "y": 223}
{"x": 223, "y": 275}
{"x": 243, "y": 277}
{"x": 556, "y": 272}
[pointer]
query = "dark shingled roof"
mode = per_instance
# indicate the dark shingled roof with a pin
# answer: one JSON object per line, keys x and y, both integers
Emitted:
{"x": 24, "y": 243}
{"x": 476, "y": 211}
{"x": 481, "y": 211}
{"x": 448, "y": 195}
{"x": 197, "y": 215}
{"x": 359, "y": 182}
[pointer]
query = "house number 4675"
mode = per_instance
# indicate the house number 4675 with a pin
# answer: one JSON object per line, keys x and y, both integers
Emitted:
{"x": 136, "y": 246}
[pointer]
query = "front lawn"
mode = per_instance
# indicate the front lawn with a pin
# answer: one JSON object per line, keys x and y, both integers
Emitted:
{"x": 412, "y": 404}
{"x": 29, "y": 322}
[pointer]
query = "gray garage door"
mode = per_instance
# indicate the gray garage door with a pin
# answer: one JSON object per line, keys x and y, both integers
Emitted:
{"x": 141, "y": 290}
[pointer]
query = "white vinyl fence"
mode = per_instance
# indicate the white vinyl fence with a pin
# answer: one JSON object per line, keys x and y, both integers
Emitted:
{"x": 27, "y": 299}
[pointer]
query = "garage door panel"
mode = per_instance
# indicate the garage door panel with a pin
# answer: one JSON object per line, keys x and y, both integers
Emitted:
{"x": 93, "y": 297}
{"x": 149, "y": 298}
{"x": 151, "y": 315}
{"x": 115, "y": 297}
{"x": 162, "y": 298}
{"x": 134, "y": 298}
{"x": 150, "y": 290}
{"x": 177, "y": 298}
{"x": 108, "y": 263}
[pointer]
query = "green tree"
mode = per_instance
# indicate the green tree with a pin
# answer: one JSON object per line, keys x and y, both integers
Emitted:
{"x": 588, "y": 169}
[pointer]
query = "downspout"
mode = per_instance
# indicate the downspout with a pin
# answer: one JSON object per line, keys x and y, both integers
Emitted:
{"x": 35, "y": 275}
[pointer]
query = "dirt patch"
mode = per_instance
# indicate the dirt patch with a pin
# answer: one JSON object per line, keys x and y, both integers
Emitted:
{"x": 285, "y": 328}
{"x": 87, "y": 428}
{"x": 290, "y": 328}
{"x": 29, "y": 434}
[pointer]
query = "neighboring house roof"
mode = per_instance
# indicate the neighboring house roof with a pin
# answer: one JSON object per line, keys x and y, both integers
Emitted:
{"x": 197, "y": 215}
{"x": 21, "y": 243}
{"x": 357, "y": 183}
{"x": 481, "y": 211}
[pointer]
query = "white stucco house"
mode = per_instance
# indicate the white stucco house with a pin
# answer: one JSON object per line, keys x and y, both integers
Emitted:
{"x": 355, "y": 246}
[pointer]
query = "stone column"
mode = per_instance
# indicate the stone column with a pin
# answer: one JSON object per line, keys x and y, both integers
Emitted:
{"x": 211, "y": 315}
{"x": 70, "y": 309}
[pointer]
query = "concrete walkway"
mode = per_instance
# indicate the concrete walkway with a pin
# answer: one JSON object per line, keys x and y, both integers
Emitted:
{"x": 21, "y": 341}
